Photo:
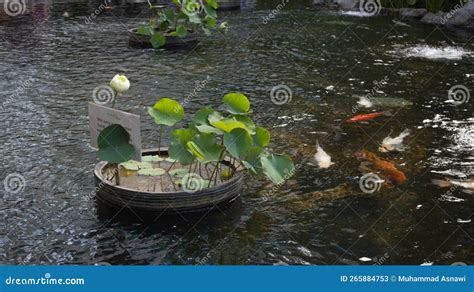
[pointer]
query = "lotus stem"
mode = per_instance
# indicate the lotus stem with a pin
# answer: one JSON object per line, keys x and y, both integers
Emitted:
{"x": 159, "y": 142}
{"x": 117, "y": 174}
{"x": 172, "y": 164}
{"x": 215, "y": 169}
{"x": 207, "y": 171}
{"x": 115, "y": 98}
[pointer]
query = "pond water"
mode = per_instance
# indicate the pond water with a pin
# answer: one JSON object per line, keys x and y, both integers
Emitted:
{"x": 51, "y": 62}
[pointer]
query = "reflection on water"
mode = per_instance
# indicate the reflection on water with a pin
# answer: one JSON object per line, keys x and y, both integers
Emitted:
{"x": 53, "y": 56}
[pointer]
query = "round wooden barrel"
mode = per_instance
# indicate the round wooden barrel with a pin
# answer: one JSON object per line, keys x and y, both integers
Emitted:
{"x": 224, "y": 5}
{"x": 167, "y": 202}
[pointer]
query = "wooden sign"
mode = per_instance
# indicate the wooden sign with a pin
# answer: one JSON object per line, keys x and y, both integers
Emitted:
{"x": 101, "y": 117}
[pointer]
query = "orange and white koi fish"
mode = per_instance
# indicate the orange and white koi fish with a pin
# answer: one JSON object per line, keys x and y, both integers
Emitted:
{"x": 367, "y": 117}
{"x": 386, "y": 167}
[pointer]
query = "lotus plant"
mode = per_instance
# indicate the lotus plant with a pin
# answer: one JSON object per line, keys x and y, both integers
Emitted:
{"x": 213, "y": 137}
{"x": 113, "y": 141}
{"x": 184, "y": 17}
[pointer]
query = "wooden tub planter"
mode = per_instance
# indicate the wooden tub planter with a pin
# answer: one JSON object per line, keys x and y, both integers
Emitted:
{"x": 207, "y": 198}
{"x": 226, "y": 5}
{"x": 172, "y": 41}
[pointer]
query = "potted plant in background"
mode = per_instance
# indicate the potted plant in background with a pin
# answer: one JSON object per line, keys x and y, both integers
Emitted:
{"x": 177, "y": 25}
{"x": 203, "y": 166}
{"x": 224, "y": 5}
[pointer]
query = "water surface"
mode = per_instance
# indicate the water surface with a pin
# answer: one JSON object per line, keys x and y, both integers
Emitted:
{"x": 318, "y": 216}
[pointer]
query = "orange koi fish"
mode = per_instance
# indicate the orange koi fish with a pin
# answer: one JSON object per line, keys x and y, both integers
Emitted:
{"x": 386, "y": 167}
{"x": 367, "y": 117}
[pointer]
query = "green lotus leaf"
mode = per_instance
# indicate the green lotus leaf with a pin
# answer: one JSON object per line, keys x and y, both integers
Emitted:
{"x": 278, "y": 168}
{"x": 171, "y": 160}
{"x": 169, "y": 15}
{"x": 158, "y": 40}
{"x": 212, "y": 3}
{"x": 201, "y": 122}
{"x": 252, "y": 160}
{"x": 236, "y": 103}
{"x": 210, "y": 11}
{"x": 143, "y": 30}
{"x": 238, "y": 142}
{"x": 152, "y": 171}
{"x": 224, "y": 124}
{"x": 179, "y": 172}
{"x": 135, "y": 165}
{"x": 177, "y": 149}
{"x": 166, "y": 112}
{"x": 249, "y": 124}
{"x": 204, "y": 147}
{"x": 130, "y": 165}
{"x": 261, "y": 137}
{"x": 181, "y": 31}
{"x": 114, "y": 146}
{"x": 152, "y": 158}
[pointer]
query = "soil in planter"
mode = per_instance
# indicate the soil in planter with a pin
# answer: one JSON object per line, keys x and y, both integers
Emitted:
{"x": 152, "y": 175}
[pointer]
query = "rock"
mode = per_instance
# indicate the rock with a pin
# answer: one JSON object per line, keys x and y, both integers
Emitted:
{"x": 460, "y": 16}
{"x": 433, "y": 18}
{"x": 319, "y": 2}
{"x": 348, "y": 4}
{"x": 412, "y": 12}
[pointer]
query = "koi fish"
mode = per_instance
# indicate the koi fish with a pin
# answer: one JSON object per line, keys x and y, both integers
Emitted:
{"x": 386, "y": 167}
{"x": 367, "y": 117}
{"x": 322, "y": 158}
{"x": 394, "y": 144}
{"x": 466, "y": 184}
{"x": 365, "y": 101}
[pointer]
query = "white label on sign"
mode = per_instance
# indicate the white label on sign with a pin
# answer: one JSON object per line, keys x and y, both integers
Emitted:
{"x": 101, "y": 117}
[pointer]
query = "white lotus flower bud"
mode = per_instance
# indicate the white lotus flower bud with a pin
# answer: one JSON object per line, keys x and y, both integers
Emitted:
{"x": 120, "y": 83}
{"x": 223, "y": 27}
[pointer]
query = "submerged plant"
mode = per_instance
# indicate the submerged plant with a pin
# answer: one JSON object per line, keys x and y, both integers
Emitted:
{"x": 185, "y": 16}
